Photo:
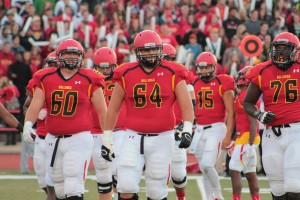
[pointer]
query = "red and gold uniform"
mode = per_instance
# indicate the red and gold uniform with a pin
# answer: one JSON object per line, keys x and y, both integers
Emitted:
{"x": 242, "y": 121}
{"x": 210, "y": 106}
{"x": 149, "y": 97}
{"x": 280, "y": 91}
{"x": 68, "y": 99}
{"x": 108, "y": 89}
{"x": 280, "y": 142}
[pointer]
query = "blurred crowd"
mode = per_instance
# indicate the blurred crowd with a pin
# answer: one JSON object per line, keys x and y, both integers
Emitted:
{"x": 31, "y": 29}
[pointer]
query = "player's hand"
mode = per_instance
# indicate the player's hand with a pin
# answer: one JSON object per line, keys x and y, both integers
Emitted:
{"x": 178, "y": 131}
{"x": 42, "y": 114}
{"x": 249, "y": 154}
{"x": 264, "y": 117}
{"x": 230, "y": 148}
{"x": 226, "y": 142}
{"x": 185, "y": 140}
{"x": 185, "y": 135}
{"x": 106, "y": 149}
{"x": 29, "y": 133}
{"x": 107, "y": 152}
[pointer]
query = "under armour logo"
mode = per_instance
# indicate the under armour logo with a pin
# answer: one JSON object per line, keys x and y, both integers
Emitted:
{"x": 160, "y": 74}
{"x": 77, "y": 82}
{"x": 296, "y": 70}
{"x": 213, "y": 84}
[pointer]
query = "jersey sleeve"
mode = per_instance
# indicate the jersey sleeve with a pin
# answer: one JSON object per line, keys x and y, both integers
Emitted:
{"x": 37, "y": 78}
{"x": 30, "y": 86}
{"x": 253, "y": 74}
{"x": 97, "y": 80}
{"x": 182, "y": 73}
{"x": 118, "y": 75}
{"x": 227, "y": 83}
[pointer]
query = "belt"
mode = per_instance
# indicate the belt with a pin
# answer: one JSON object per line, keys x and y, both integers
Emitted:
{"x": 279, "y": 127}
{"x": 148, "y": 135}
{"x": 142, "y": 140}
{"x": 63, "y": 136}
{"x": 207, "y": 127}
{"x": 55, "y": 147}
{"x": 41, "y": 137}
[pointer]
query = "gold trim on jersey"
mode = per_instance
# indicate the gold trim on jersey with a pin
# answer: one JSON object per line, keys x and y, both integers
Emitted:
{"x": 259, "y": 81}
{"x": 220, "y": 90}
{"x": 89, "y": 91}
{"x": 173, "y": 82}
{"x": 244, "y": 139}
{"x": 123, "y": 82}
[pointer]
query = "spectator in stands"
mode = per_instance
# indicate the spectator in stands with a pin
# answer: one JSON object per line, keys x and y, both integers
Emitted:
{"x": 6, "y": 59}
{"x": 16, "y": 46}
{"x": 266, "y": 48}
{"x": 295, "y": 26}
{"x": 10, "y": 16}
{"x": 263, "y": 30}
{"x": 234, "y": 48}
{"x": 194, "y": 46}
{"x": 78, "y": 18}
{"x": 152, "y": 5}
{"x": 231, "y": 23}
{"x": 166, "y": 36}
{"x": 199, "y": 34}
{"x": 275, "y": 28}
{"x": 215, "y": 44}
{"x": 233, "y": 65}
{"x": 61, "y": 4}
{"x": 36, "y": 59}
{"x": 253, "y": 24}
{"x": 243, "y": 17}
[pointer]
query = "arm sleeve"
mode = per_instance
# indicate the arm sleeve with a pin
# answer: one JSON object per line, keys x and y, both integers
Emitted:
{"x": 253, "y": 75}
{"x": 97, "y": 80}
{"x": 227, "y": 83}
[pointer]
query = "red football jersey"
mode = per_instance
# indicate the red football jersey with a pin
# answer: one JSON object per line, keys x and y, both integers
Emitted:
{"x": 68, "y": 100}
{"x": 210, "y": 106}
{"x": 241, "y": 119}
{"x": 149, "y": 97}
{"x": 280, "y": 91}
{"x": 40, "y": 124}
{"x": 177, "y": 110}
{"x": 108, "y": 89}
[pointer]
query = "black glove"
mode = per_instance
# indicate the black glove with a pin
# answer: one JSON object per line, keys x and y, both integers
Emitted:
{"x": 185, "y": 140}
{"x": 106, "y": 153}
{"x": 178, "y": 131}
{"x": 264, "y": 117}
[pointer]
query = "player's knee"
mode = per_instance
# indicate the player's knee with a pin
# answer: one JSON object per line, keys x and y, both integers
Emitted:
{"x": 156, "y": 192}
{"x": 135, "y": 197}
{"x": 104, "y": 175}
{"x": 77, "y": 197}
{"x": 74, "y": 186}
{"x": 293, "y": 196}
{"x": 179, "y": 183}
{"x": 104, "y": 188}
{"x": 59, "y": 190}
{"x": 277, "y": 188}
{"x": 128, "y": 186}
{"x": 292, "y": 185}
{"x": 205, "y": 167}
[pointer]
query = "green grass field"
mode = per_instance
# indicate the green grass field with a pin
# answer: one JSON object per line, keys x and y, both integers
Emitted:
{"x": 24, "y": 187}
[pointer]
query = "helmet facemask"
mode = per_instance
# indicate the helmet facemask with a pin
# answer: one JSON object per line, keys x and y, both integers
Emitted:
{"x": 169, "y": 57}
{"x": 207, "y": 75}
{"x": 149, "y": 60}
{"x": 71, "y": 63}
{"x": 103, "y": 69}
{"x": 283, "y": 55}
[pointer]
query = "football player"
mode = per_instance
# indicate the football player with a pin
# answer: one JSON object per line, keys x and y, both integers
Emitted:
{"x": 214, "y": 99}
{"x": 243, "y": 157}
{"x": 179, "y": 159}
{"x": 105, "y": 61}
{"x": 278, "y": 81}
{"x": 149, "y": 88}
{"x": 68, "y": 91}
{"x": 39, "y": 157}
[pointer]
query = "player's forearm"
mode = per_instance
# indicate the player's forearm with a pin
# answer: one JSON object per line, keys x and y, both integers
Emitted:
{"x": 230, "y": 123}
{"x": 250, "y": 108}
{"x": 110, "y": 120}
{"x": 32, "y": 114}
{"x": 253, "y": 129}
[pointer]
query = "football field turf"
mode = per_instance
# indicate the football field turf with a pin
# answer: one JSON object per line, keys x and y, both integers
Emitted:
{"x": 25, "y": 187}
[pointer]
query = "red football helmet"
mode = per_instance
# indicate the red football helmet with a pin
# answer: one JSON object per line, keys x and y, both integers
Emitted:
{"x": 284, "y": 50}
{"x": 169, "y": 52}
{"x": 206, "y": 60}
{"x": 145, "y": 42}
{"x": 105, "y": 60}
{"x": 242, "y": 77}
{"x": 70, "y": 46}
{"x": 51, "y": 60}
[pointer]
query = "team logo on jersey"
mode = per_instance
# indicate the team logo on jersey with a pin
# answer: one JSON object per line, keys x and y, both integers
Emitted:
{"x": 213, "y": 84}
{"x": 77, "y": 82}
{"x": 296, "y": 70}
{"x": 160, "y": 73}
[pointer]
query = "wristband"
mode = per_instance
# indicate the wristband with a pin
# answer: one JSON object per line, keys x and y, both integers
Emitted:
{"x": 20, "y": 127}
